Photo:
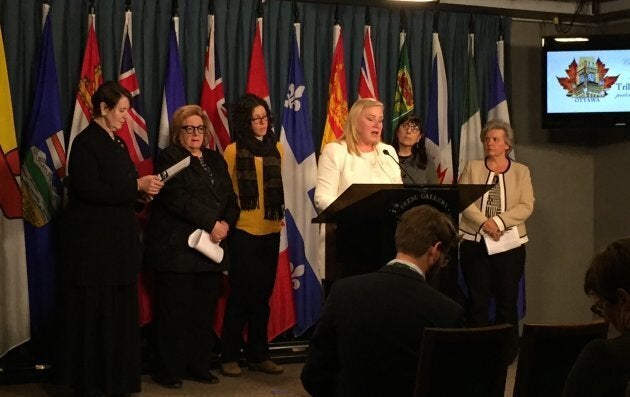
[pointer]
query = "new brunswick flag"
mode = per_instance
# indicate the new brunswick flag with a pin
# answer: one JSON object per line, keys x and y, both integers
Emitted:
{"x": 337, "y": 92}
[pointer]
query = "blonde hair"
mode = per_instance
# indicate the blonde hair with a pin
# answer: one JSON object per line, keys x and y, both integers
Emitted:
{"x": 350, "y": 133}
{"x": 182, "y": 114}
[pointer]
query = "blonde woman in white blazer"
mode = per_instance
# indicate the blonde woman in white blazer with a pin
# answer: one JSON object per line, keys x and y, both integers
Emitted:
{"x": 506, "y": 205}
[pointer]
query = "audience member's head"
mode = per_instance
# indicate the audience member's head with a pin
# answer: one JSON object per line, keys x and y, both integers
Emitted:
{"x": 422, "y": 228}
{"x": 607, "y": 280}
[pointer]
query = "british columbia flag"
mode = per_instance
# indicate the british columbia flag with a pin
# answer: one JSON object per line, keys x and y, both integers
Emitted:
{"x": 368, "y": 84}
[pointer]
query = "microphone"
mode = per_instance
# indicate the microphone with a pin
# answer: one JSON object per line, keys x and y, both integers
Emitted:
{"x": 386, "y": 153}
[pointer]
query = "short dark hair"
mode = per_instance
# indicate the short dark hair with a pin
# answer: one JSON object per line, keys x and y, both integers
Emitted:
{"x": 109, "y": 93}
{"x": 242, "y": 111}
{"x": 609, "y": 271}
{"x": 421, "y": 227}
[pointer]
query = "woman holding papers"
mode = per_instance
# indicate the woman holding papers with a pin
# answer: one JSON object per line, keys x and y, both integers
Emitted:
{"x": 254, "y": 161}
{"x": 100, "y": 254}
{"x": 496, "y": 219}
{"x": 358, "y": 157}
{"x": 187, "y": 283}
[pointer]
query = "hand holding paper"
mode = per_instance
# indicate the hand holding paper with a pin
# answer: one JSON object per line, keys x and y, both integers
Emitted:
{"x": 509, "y": 240}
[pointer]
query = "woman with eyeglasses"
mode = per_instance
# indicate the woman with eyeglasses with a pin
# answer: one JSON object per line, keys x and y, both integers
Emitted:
{"x": 187, "y": 283}
{"x": 408, "y": 141}
{"x": 603, "y": 367}
{"x": 504, "y": 208}
{"x": 254, "y": 161}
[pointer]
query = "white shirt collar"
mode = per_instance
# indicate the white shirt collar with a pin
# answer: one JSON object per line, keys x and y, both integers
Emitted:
{"x": 408, "y": 264}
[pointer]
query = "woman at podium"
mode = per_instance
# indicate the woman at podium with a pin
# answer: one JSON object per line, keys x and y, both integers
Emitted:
{"x": 358, "y": 157}
{"x": 492, "y": 253}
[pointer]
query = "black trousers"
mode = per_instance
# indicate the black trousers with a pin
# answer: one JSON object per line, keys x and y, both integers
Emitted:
{"x": 253, "y": 263}
{"x": 184, "y": 313}
{"x": 491, "y": 276}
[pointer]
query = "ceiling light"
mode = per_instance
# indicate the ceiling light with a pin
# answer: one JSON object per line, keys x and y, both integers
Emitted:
{"x": 569, "y": 39}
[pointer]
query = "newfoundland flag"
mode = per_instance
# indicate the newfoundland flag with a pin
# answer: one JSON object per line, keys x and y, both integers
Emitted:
{"x": 299, "y": 174}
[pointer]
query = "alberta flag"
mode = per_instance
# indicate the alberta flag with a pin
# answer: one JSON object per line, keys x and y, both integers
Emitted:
{"x": 438, "y": 141}
{"x": 43, "y": 168}
{"x": 299, "y": 175}
{"x": 173, "y": 96}
{"x": 470, "y": 147}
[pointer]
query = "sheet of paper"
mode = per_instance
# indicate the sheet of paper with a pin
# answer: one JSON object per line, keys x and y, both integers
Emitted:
{"x": 174, "y": 169}
{"x": 509, "y": 240}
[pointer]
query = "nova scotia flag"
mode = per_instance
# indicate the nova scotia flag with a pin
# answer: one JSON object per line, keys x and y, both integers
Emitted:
{"x": 299, "y": 174}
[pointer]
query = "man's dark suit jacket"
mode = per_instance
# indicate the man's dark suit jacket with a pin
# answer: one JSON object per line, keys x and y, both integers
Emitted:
{"x": 367, "y": 341}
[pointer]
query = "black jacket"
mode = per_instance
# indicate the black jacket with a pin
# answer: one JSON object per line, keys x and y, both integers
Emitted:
{"x": 190, "y": 200}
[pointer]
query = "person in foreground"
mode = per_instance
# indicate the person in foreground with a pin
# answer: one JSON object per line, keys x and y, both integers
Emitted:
{"x": 409, "y": 143}
{"x": 254, "y": 165}
{"x": 187, "y": 283}
{"x": 99, "y": 340}
{"x": 603, "y": 367}
{"x": 367, "y": 342}
{"x": 508, "y": 204}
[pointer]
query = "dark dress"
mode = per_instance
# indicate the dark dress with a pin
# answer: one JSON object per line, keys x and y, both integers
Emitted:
{"x": 187, "y": 283}
{"x": 99, "y": 346}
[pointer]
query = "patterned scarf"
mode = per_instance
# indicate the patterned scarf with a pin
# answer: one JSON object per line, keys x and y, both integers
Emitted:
{"x": 248, "y": 147}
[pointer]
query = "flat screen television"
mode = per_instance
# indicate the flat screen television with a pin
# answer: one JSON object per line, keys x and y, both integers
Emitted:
{"x": 586, "y": 83}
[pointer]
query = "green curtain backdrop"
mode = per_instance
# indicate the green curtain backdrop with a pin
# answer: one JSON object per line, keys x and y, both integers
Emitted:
{"x": 21, "y": 27}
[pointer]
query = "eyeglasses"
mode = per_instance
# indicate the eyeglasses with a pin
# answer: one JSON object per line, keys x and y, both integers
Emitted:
{"x": 261, "y": 119}
{"x": 599, "y": 308}
{"x": 191, "y": 129}
{"x": 412, "y": 128}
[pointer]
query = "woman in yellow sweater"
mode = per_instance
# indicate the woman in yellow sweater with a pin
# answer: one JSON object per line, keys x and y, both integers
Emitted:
{"x": 254, "y": 166}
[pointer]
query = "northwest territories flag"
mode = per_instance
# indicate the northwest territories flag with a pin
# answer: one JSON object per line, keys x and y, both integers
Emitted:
{"x": 173, "y": 96}
{"x": 43, "y": 168}
{"x": 299, "y": 175}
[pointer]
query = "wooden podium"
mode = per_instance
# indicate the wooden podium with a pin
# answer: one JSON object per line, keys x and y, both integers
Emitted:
{"x": 361, "y": 223}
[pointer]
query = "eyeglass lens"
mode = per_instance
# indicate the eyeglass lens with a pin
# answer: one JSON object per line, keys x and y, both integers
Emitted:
{"x": 190, "y": 129}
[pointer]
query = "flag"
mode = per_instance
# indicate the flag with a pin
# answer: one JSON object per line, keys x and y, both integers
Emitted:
{"x": 134, "y": 130}
{"x": 470, "y": 147}
{"x": 497, "y": 101}
{"x": 438, "y": 141}
{"x": 403, "y": 96}
{"x": 212, "y": 98}
{"x": 91, "y": 78}
{"x": 14, "y": 308}
{"x": 257, "y": 77}
{"x": 173, "y": 96}
{"x": 42, "y": 190}
{"x": 134, "y": 133}
{"x": 368, "y": 85}
{"x": 299, "y": 176}
{"x": 337, "y": 92}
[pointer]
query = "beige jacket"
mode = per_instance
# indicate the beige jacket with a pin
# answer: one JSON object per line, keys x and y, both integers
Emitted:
{"x": 517, "y": 199}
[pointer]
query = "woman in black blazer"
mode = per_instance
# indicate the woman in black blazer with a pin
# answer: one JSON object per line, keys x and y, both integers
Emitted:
{"x": 187, "y": 283}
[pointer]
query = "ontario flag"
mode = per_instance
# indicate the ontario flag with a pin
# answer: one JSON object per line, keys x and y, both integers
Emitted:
{"x": 403, "y": 97}
{"x": 299, "y": 176}
{"x": 42, "y": 190}
{"x": 91, "y": 78}
{"x": 368, "y": 84}
{"x": 337, "y": 92}
{"x": 282, "y": 308}
{"x": 174, "y": 95}
{"x": 212, "y": 97}
{"x": 14, "y": 307}
{"x": 438, "y": 141}
{"x": 134, "y": 131}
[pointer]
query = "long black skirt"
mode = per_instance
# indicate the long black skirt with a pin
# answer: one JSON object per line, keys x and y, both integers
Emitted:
{"x": 99, "y": 339}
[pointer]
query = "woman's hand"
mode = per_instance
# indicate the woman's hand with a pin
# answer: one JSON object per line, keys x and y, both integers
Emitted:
{"x": 491, "y": 228}
{"x": 219, "y": 231}
{"x": 150, "y": 184}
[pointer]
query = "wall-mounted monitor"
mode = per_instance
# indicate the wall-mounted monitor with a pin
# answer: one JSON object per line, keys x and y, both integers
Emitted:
{"x": 586, "y": 81}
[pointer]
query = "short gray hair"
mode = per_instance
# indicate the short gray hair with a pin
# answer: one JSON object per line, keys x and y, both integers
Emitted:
{"x": 499, "y": 125}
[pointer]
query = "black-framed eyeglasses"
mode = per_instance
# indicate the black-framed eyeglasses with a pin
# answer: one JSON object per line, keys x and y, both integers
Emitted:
{"x": 412, "y": 128}
{"x": 599, "y": 308}
{"x": 191, "y": 129}
{"x": 261, "y": 119}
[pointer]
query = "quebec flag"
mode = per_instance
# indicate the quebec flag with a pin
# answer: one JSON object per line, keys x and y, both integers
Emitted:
{"x": 299, "y": 174}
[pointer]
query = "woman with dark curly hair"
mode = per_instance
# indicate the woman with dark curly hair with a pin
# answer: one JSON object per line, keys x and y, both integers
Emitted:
{"x": 408, "y": 140}
{"x": 254, "y": 161}
{"x": 603, "y": 367}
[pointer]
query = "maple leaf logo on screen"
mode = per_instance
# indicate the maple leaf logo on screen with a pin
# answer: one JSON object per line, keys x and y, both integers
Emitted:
{"x": 587, "y": 78}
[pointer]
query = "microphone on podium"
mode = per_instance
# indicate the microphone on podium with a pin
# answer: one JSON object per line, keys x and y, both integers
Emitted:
{"x": 386, "y": 153}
